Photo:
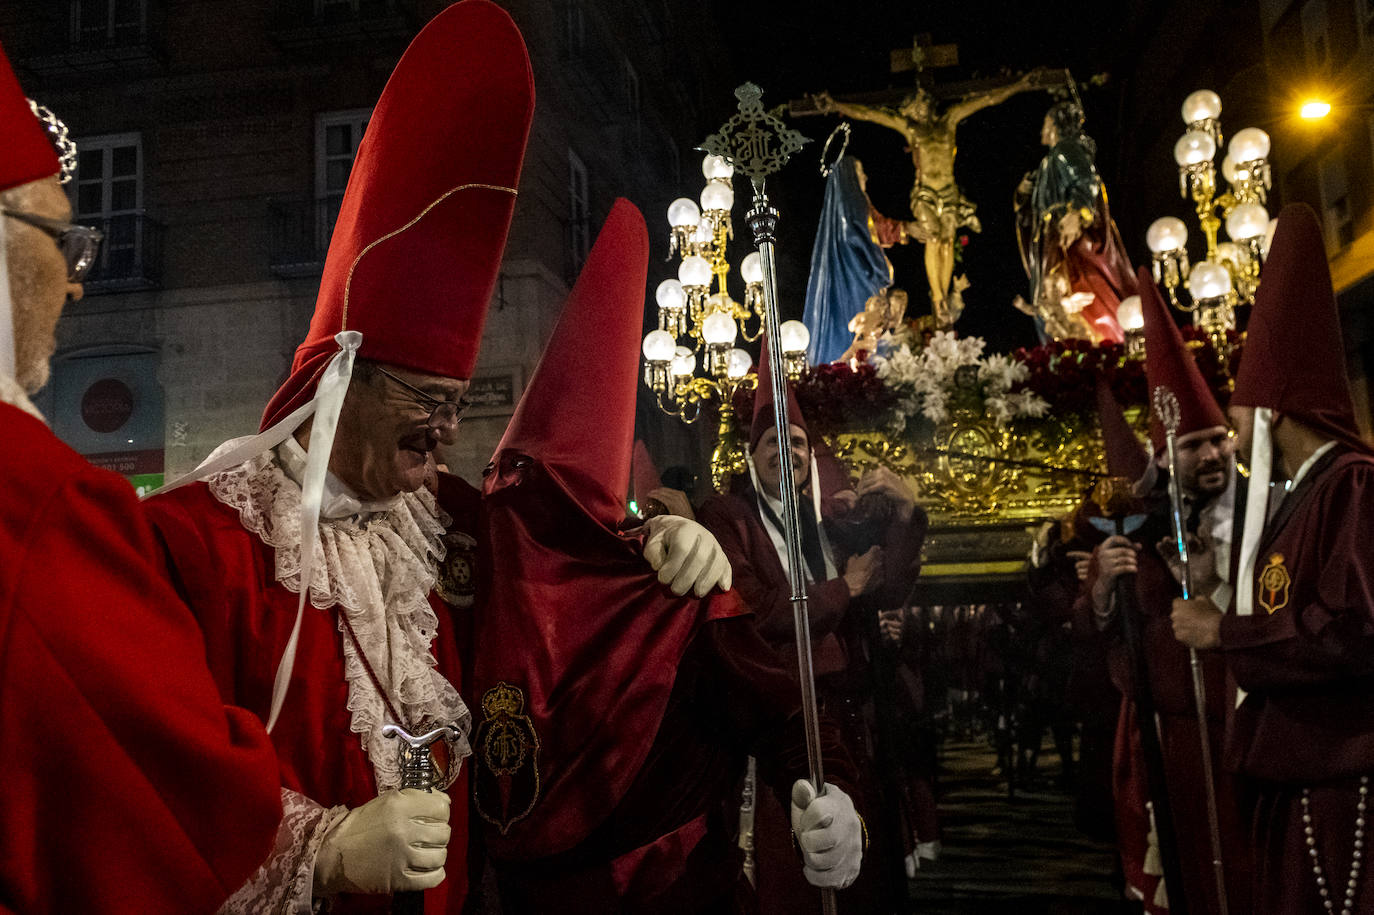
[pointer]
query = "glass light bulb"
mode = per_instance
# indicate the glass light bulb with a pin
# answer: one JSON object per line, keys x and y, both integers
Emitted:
{"x": 1247, "y": 221}
{"x": 720, "y": 301}
{"x": 718, "y": 329}
{"x": 694, "y": 270}
{"x": 795, "y": 336}
{"x": 1249, "y": 144}
{"x": 1228, "y": 169}
{"x": 1166, "y": 234}
{"x": 685, "y": 362}
{"x": 1229, "y": 251}
{"x": 713, "y": 167}
{"x": 1195, "y": 146}
{"x": 669, "y": 294}
{"x": 1201, "y": 105}
{"x": 1208, "y": 280}
{"x": 738, "y": 364}
{"x": 682, "y": 213}
{"x": 659, "y": 346}
{"x": 751, "y": 268}
{"x": 717, "y": 196}
{"x": 1129, "y": 314}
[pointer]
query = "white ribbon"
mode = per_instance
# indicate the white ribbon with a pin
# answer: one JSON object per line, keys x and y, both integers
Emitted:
{"x": 325, "y": 406}
{"x": 7, "y": 357}
{"x": 1256, "y": 508}
{"x": 1256, "y": 513}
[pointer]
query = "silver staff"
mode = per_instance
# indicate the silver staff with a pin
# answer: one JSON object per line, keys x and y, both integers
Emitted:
{"x": 757, "y": 143}
{"x": 1166, "y": 409}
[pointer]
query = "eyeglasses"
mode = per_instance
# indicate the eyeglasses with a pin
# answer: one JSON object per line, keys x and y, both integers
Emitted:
{"x": 444, "y": 415}
{"x": 78, "y": 244}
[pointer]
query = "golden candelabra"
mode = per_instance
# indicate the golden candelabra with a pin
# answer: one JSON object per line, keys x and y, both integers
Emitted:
{"x": 699, "y": 322}
{"x": 1229, "y": 275}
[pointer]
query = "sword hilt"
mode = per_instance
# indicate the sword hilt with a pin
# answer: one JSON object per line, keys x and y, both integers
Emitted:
{"x": 416, "y": 769}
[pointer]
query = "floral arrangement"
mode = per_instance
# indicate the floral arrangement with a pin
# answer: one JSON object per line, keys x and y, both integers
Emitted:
{"x": 950, "y": 373}
{"x": 1065, "y": 373}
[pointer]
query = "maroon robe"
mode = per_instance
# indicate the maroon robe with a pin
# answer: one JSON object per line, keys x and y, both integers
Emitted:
{"x": 1171, "y": 686}
{"x": 837, "y": 658}
{"x": 1306, "y": 661}
{"x": 227, "y": 575}
{"x": 128, "y": 785}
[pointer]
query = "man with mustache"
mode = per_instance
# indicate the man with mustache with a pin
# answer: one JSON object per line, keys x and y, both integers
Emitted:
{"x": 129, "y": 785}
{"x": 1204, "y": 468}
{"x": 410, "y": 272}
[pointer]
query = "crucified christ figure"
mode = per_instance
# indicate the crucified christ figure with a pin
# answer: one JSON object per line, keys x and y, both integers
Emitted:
{"x": 937, "y": 204}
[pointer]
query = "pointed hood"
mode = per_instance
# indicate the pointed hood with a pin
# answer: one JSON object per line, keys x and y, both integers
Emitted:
{"x": 763, "y": 402}
{"x": 579, "y": 422}
{"x": 1126, "y": 457}
{"x": 1294, "y": 359}
{"x": 418, "y": 242}
{"x": 1170, "y": 364}
{"x": 28, "y": 155}
{"x": 576, "y": 648}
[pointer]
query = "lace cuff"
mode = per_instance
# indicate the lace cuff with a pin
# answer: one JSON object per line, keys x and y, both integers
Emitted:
{"x": 284, "y": 885}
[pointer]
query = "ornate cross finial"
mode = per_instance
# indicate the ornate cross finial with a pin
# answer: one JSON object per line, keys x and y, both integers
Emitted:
{"x": 1166, "y": 409}
{"x": 756, "y": 142}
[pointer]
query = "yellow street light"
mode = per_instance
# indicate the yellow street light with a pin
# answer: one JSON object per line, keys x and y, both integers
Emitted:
{"x": 1315, "y": 109}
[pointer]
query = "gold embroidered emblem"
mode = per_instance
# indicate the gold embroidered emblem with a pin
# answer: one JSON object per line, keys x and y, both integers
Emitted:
{"x": 505, "y": 785}
{"x": 456, "y": 580}
{"x": 1274, "y": 582}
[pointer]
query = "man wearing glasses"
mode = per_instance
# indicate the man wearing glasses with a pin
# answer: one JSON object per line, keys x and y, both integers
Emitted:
{"x": 411, "y": 269}
{"x": 124, "y": 771}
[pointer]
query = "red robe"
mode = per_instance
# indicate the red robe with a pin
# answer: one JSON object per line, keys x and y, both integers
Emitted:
{"x": 227, "y": 576}
{"x": 616, "y": 716}
{"x": 128, "y": 785}
{"x": 1306, "y": 660}
{"x": 1171, "y": 686}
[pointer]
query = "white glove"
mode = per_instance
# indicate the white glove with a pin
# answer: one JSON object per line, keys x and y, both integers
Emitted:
{"x": 686, "y": 556}
{"x": 395, "y": 842}
{"x": 829, "y": 835}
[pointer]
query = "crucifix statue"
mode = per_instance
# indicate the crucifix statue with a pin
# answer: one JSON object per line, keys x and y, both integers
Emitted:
{"x": 938, "y": 205}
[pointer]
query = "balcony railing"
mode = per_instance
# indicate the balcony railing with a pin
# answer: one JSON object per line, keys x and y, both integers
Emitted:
{"x": 300, "y": 234}
{"x": 130, "y": 257}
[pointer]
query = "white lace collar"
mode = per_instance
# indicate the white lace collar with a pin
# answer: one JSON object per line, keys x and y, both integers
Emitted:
{"x": 13, "y": 393}
{"x": 379, "y": 568}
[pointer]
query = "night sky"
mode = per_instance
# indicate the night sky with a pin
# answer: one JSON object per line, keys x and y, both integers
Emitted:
{"x": 804, "y": 46}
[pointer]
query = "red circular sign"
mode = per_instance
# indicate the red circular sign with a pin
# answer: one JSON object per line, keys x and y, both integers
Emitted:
{"x": 107, "y": 405}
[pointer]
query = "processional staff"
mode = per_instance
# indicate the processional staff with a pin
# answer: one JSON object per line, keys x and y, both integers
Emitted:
{"x": 1167, "y": 409}
{"x": 757, "y": 143}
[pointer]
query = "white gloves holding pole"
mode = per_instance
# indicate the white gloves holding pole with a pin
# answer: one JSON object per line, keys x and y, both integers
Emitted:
{"x": 686, "y": 556}
{"x": 395, "y": 842}
{"x": 829, "y": 833}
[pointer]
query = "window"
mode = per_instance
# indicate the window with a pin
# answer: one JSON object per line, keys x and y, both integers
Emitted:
{"x": 105, "y": 23}
{"x": 579, "y": 212}
{"x": 1340, "y": 226}
{"x": 337, "y": 135}
{"x": 107, "y": 192}
{"x": 1314, "y": 33}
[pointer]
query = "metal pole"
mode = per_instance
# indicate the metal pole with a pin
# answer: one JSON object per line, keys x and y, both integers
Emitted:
{"x": 1166, "y": 407}
{"x": 757, "y": 143}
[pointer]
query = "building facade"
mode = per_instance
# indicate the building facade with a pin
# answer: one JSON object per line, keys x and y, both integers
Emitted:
{"x": 215, "y": 144}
